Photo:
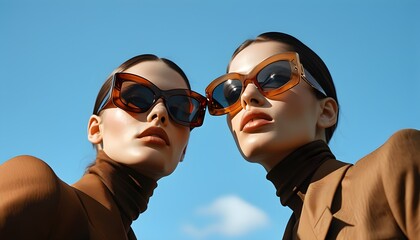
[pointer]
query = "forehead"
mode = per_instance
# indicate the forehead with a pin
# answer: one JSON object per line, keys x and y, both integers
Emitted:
{"x": 254, "y": 54}
{"x": 159, "y": 73}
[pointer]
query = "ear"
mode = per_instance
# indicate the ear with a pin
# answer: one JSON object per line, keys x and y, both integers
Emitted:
{"x": 183, "y": 154}
{"x": 328, "y": 114}
{"x": 94, "y": 130}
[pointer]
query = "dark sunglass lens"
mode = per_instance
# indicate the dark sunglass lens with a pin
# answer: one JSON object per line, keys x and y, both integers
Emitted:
{"x": 135, "y": 95}
{"x": 274, "y": 75}
{"x": 183, "y": 108}
{"x": 227, "y": 93}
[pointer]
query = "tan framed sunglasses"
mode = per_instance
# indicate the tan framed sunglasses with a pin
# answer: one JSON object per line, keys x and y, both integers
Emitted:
{"x": 272, "y": 76}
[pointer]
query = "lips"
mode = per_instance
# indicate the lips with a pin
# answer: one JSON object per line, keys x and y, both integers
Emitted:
{"x": 253, "y": 120}
{"x": 156, "y": 133}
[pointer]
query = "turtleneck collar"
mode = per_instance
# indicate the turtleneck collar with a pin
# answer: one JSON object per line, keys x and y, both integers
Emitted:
{"x": 292, "y": 175}
{"x": 129, "y": 189}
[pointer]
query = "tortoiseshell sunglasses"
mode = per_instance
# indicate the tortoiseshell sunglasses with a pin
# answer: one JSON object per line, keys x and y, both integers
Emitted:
{"x": 136, "y": 94}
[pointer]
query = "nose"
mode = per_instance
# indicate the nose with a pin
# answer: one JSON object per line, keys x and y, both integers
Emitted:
{"x": 251, "y": 96}
{"x": 159, "y": 113}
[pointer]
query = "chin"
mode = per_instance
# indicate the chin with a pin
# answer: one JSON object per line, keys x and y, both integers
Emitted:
{"x": 252, "y": 152}
{"x": 156, "y": 170}
{"x": 256, "y": 149}
{"x": 255, "y": 143}
{"x": 153, "y": 164}
{"x": 252, "y": 155}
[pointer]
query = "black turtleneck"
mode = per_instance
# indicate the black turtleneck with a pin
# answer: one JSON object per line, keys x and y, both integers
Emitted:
{"x": 292, "y": 175}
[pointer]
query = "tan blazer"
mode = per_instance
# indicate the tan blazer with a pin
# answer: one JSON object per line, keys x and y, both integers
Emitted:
{"x": 36, "y": 204}
{"x": 377, "y": 198}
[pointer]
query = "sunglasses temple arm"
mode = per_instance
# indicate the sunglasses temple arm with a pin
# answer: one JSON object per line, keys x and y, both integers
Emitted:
{"x": 105, "y": 100}
{"x": 307, "y": 76}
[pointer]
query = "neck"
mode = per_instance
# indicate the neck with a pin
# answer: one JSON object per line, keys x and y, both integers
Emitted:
{"x": 269, "y": 164}
{"x": 292, "y": 175}
{"x": 129, "y": 190}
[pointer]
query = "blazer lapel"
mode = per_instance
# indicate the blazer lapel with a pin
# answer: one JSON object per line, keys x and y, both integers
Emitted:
{"x": 316, "y": 216}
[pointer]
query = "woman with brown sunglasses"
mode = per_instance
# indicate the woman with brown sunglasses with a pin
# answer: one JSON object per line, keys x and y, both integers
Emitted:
{"x": 140, "y": 127}
{"x": 282, "y": 110}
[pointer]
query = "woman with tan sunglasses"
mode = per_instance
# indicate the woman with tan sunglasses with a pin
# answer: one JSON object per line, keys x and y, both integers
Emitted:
{"x": 282, "y": 110}
{"x": 140, "y": 126}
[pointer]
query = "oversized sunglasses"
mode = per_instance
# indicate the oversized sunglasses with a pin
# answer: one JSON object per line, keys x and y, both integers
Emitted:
{"x": 136, "y": 94}
{"x": 271, "y": 77}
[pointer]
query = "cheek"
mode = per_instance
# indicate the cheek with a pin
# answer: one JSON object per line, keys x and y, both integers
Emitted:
{"x": 296, "y": 118}
{"x": 234, "y": 126}
{"x": 179, "y": 137}
{"x": 234, "y": 121}
{"x": 296, "y": 106}
{"x": 116, "y": 122}
{"x": 292, "y": 111}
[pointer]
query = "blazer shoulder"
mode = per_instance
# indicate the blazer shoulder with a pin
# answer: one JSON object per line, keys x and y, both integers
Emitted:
{"x": 30, "y": 194}
{"x": 387, "y": 181}
{"x": 403, "y": 146}
{"x": 28, "y": 167}
{"x": 401, "y": 178}
{"x": 406, "y": 138}
{"x": 399, "y": 155}
{"x": 28, "y": 177}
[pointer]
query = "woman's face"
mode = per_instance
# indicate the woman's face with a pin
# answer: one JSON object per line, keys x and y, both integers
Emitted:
{"x": 267, "y": 130}
{"x": 150, "y": 142}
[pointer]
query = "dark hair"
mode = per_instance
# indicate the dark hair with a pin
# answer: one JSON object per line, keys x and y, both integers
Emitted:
{"x": 310, "y": 61}
{"x": 106, "y": 87}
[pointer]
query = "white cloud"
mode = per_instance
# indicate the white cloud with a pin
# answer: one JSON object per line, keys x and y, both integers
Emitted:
{"x": 235, "y": 217}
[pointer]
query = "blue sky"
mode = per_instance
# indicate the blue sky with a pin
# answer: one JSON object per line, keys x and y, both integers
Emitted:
{"x": 54, "y": 56}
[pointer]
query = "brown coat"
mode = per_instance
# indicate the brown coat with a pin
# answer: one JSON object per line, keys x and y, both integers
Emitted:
{"x": 36, "y": 204}
{"x": 376, "y": 198}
